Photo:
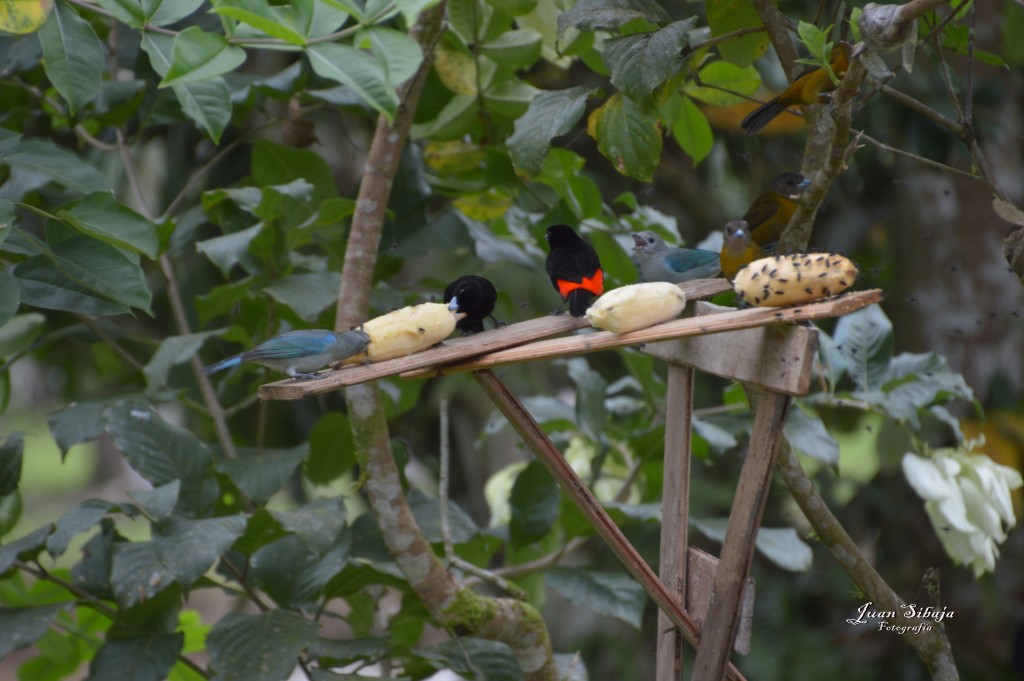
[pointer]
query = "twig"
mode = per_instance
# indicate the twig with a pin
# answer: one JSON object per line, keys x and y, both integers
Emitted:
{"x": 738, "y": 33}
{"x": 775, "y": 23}
{"x": 446, "y": 534}
{"x": 920, "y": 159}
{"x": 114, "y": 345}
{"x": 925, "y": 110}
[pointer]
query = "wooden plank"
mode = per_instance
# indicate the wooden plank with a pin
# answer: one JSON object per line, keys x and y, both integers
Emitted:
{"x": 722, "y": 621}
{"x": 679, "y": 328}
{"x": 456, "y": 349}
{"x": 675, "y": 517}
{"x": 559, "y": 469}
{"x": 701, "y": 568}
{"x": 776, "y": 357}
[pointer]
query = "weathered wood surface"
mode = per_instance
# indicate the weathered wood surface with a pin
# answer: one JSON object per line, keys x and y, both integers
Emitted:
{"x": 457, "y": 349}
{"x": 776, "y": 357}
{"x": 701, "y": 568}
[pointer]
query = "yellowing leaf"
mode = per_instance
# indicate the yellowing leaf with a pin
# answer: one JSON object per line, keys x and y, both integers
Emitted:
{"x": 23, "y": 16}
{"x": 456, "y": 70}
{"x": 454, "y": 157}
{"x": 485, "y": 206}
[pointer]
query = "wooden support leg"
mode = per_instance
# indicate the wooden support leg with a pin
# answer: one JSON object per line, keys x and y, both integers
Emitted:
{"x": 738, "y": 549}
{"x": 589, "y": 506}
{"x": 675, "y": 504}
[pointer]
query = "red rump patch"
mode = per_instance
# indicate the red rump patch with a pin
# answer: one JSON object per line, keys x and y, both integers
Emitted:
{"x": 594, "y": 283}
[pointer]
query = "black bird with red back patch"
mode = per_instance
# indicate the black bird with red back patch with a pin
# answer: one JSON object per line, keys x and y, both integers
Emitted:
{"x": 574, "y": 268}
{"x": 476, "y": 297}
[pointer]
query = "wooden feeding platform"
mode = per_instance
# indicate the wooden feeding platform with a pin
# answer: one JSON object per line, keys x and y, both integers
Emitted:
{"x": 705, "y": 600}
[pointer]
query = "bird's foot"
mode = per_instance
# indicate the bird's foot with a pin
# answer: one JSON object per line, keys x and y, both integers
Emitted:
{"x": 498, "y": 324}
{"x": 299, "y": 376}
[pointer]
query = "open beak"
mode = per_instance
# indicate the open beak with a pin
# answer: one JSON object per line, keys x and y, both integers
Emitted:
{"x": 638, "y": 241}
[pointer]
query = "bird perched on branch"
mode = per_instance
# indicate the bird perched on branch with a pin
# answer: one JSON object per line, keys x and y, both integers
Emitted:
{"x": 574, "y": 268}
{"x": 770, "y": 212}
{"x": 738, "y": 248}
{"x": 807, "y": 88}
{"x": 299, "y": 353}
{"x": 661, "y": 262}
{"x": 475, "y": 296}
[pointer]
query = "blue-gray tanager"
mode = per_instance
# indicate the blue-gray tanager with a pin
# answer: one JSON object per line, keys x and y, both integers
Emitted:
{"x": 300, "y": 353}
{"x": 660, "y": 262}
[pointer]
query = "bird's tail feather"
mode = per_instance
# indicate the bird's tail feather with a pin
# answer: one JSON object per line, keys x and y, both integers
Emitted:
{"x": 579, "y": 301}
{"x": 761, "y": 116}
{"x": 223, "y": 364}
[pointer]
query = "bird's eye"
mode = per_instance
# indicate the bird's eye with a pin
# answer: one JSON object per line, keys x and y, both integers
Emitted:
{"x": 650, "y": 241}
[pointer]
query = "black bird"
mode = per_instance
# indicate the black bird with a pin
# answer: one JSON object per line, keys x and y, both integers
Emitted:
{"x": 574, "y": 268}
{"x": 476, "y": 297}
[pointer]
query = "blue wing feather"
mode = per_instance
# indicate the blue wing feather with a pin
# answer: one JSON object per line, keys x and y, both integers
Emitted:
{"x": 681, "y": 261}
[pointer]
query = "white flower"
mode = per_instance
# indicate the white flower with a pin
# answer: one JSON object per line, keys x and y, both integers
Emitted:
{"x": 967, "y": 497}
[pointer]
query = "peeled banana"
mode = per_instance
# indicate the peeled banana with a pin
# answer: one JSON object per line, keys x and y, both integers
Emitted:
{"x": 636, "y": 306}
{"x": 793, "y": 279}
{"x": 407, "y": 330}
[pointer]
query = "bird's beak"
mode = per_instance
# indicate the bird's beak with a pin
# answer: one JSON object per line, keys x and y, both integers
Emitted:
{"x": 453, "y": 305}
{"x": 801, "y": 186}
{"x": 638, "y": 241}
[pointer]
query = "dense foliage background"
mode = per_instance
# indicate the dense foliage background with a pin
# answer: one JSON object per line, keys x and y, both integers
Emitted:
{"x": 179, "y": 182}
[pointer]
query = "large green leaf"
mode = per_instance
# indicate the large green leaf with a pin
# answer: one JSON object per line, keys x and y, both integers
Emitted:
{"x": 208, "y": 103}
{"x": 102, "y": 216}
{"x": 10, "y": 296}
{"x": 411, "y": 9}
{"x": 719, "y": 76}
{"x": 96, "y": 266}
{"x": 188, "y": 548}
{"x": 260, "y": 647}
{"x": 690, "y": 127}
{"x": 136, "y": 659}
{"x": 627, "y": 136}
{"x": 534, "y": 501}
{"x": 318, "y": 523}
{"x": 260, "y": 475}
{"x": 226, "y": 251}
{"x": 400, "y": 54}
{"x": 72, "y": 56}
{"x": 726, "y": 16}
{"x": 355, "y": 69}
{"x": 550, "y": 114}
{"x": 43, "y": 157}
{"x": 290, "y": 23}
{"x": 10, "y": 463}
{"x": 515, "y": 49}
{"x": 128, "y": 11}
{"x": 306, "y": 294}
{"x": 471, "y": 658}
{"x": 642, "y": 62}
{"x": 613, "y": 594}
{"x": 590, "y": 389}
{"x": 863, "y": 346}
{"x": 78, "y": 422}
{"x": 160, "y": 453}
{"x": 809, "y": 436}
{"x": 165, "y": 12}
{"x": 605, "y": 15}
{"x": 20, "y": 332}
{"x": 172, "y": 351}
{"x": 198, "y": 55}
{"x": 275, "y": 164}
{"x": 43, "y": 285}
{"x": 21, "y": 627}
{"x": 74, "y": 522}
{"x": 331, "y": 451}
{"x": 781, "y": 545}
{"x": 24, "y": 548}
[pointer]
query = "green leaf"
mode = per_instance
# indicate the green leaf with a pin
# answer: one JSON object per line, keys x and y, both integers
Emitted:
{"x": 188, "y": 548}
{"x": 160, "y": 453}
{"x": 137, "y": 659}
{"x": 74, "y": 522}
{"x": 690, "y": 127}
{"x": 43, "y": 157}
{"x": 283, "y": 23}
{"x": 454, "y": 120}
{"x": 627, "y": 136}
{"x": 534, "y": 501}
{"x": 781, "y": 545}
{"x": 608, "y": 15}
{"x": 921, "y": 380}
{"x": 21, "y": 627}
{"x": 513, "y": 8}
{"x": 72, "y": 56}
{"x": 591, "y": 413}
{"x": 306, "y": 294}
{"x": 471, "y": 658}
{"x": 275, "y": 165}
{"x": 400, "y": 54}
{"x": 331, "y": 451}
{"x": 198, "y": 55}
{"x": 642, "y": 62}
{"x": 10, "y": 463}
{"x": 428, "y": 516}
{"x": 7, "y": 219}
{"x": 259, "y": 647}
{"x": 357, "y": 70}
{"x": 550, "y": 114}
{"x": 10, "y": 296}
{"x": 515, "y": 49}
{"x": 226, "y": 251}
{"x": 863, "y": 346}
{"x": 18, "y": 334}
{"x": 727, "y": 76}
{"x": 166, "y": 12}
{"x": 726, "y": 16}
{"x": 99, "y": 267}
{"x": 128, "y": 11}
{"x": 102, "y": 216}
{"x": 159, "y": 502}
{"x": 611, "y": 594}
{"x": 411, "y": 9}
{"x": 318, "y": 523}
{"x": 809, "y": 436}
{"x": 25, "y": 548}
{"x": 43, "y": 285}
{"x": 172, "y": 351}
{"x": 207, "y": 103}
{"x": 261, "y": 475}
